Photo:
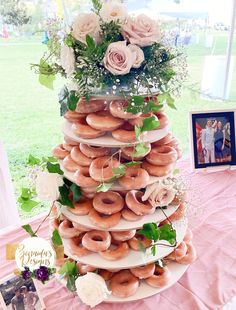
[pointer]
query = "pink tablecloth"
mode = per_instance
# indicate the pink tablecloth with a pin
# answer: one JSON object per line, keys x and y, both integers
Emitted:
{"x": 208, "y": 284}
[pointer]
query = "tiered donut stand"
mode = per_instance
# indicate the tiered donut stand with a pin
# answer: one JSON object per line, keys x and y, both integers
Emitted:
{"x": 134, "y": 258}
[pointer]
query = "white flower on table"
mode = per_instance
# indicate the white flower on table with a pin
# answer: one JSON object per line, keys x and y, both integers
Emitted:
{"x": 159, "y": 194}
{"x": 113, "y": 11}
{"x": 67, "y": 57}
{"x": 47, "y": 185}
{"x": 91, "y": 289}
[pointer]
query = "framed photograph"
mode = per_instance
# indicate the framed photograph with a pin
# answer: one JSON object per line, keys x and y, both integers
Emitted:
{"x": 19, "y": 294}
{"x": 212, "y": 139}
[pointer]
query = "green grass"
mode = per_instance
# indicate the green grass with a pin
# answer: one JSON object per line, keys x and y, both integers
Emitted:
{"x": 29, "y": 113}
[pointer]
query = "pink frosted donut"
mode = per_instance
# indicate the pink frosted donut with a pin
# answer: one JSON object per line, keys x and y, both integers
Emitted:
{"x": 123, "y": 284}
{"x": 190, "y": 256}
{"x": 179, "y": 213}
{"x": 83, "y": 268}
{"x": 143, "y": 272}
{"x": 139, "y": 121}
{"x": 179, "y": 252}
{"x": 73, "y": 116}
{"x": 59, "y": 152}
{"x": 134, "y": 202}
{"x": 117, "y": 109}
{"x": 134, "y": 178}
{"x": 104, "y": 221}
{"x": 81, "y": 207}
{"x": 108, "y": 202}
{"x": 188, "y": 235}
{"x": 162, "y": 119}
{"x": 79, "y": 157}
{"x": 125, "y": 133}
{"x": 83, "y": 130}
{"x": 101, "y": 169}
{"x": 129, "y": 152}
{"x": 139, "y": 240}
{"x": 96, "y": 240}
{"x": 123, "y": 235}
{"x": 76, "y": 247}
{"x": 104, "y": 121}
{"x": 160, "y": 278}
{"x": 115, "y": 252}
{"x": 69, "y": 164}
{"x": 82, "y": 177}
{"x": 164, "y": 140}
{"x": 129, "y": 215}
{"x": 157, "y": 171}
{"x": 162, "y": 155}
{"x": 67, "y": 230}
{"x": 92, "y": 106}
{"x": 80, "y": 227}
{"x": 94, "y": 151}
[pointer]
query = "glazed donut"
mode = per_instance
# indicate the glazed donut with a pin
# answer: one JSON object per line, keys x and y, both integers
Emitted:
{"x": 104, "y": 221}
{"x": 81, "y": 207}
{"x": 73, "y": 116}
{"x": 129, "y": 215}
{"x": 67, "y": 230}
{"x": 125, "y": 133}
{"x": 134, "y": 202}
{"x": 108, "y": 202}
{"x": 164, "y": 140}
{"x": 179, "y": 252}
{"x": 160, "y": 278}
{"x": 94, "y": 151}
{"x": 143, "y": 272}
{"x": 82, "y": 177}
{"x": 123, "y": 284}
{"x": 104, "y": 121}
{"x": 173, "y": 142}
{"x": 79, "y": 157}
{"x": 162, "y": 155}
{"x": 129, "y": 152}
{"x": 101, "y": 168}
{"x": 179, "y": 213}
{"x": 115, "y": 252}
{"x": 139, "y": 241}
{"x": 139, "y": 120}
{"x": 123, "y": 235}
{"x": 96, "y": 240}
{"x": 83, "y": 130}
{"x": 117, "y": 109}
{"x": 188, "y": 235}
{"x": 59, "y": 152}
{"x": 80, "y": 227}
{"x": 106, "y": 274}
{"x": 76, "y": 248}
{"x": 157, "y": 171}
{"x": 134, "y": 178}
{"x": 67, "y": 147}
{"x": 69, "y": 164}
{"x": 83, "y": 268}
{"x": 163, "y": 120}
{"x": 92, "y": 106}
{"x": 190, "y": 256}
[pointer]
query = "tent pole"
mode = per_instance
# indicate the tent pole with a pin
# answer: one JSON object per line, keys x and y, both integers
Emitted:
{"x": 229, "y": 49}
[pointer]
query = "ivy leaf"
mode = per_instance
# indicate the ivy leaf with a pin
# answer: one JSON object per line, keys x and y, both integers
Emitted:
{"x": 25, "y": 199}
{"x": 150, "y": 231}
{"x": 149, "y": 124}
{"x": 133, "y": 163}
{"x": 29, "y": 230}
{"x": 138, "y": 131}
{"x": 140, "y": 149}
{"x": 28, "y": 205}
{"x": 166, "y": 98}
{"x": 32, "y": 161}
{"x": 76, "y": 192}
{"x": 69, "y": 268}
{"x": 64, "y": 197}
{"x": 54, "y": 168}
{"x": 71, "y": 283}
{"x": 56, "y": 238}
{"x": 103, "y": 187}
{"x": 47, "y": 80}
{"x": 119, "y": 171}
{"x": 167, "y": 233}
{"x": 72, "y": 100}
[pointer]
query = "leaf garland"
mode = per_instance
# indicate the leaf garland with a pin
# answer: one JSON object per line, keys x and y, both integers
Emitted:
{"x": 26, "y": 201}
{"x": 56, "y": 238}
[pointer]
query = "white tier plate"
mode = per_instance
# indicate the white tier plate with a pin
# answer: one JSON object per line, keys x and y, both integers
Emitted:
{"x": 156, "y": 217}
{"x": 134, "y": 258}
{"x": 145, "y": 290}
{"x": 109, "y": 141}
{"x": 116, "y": 186}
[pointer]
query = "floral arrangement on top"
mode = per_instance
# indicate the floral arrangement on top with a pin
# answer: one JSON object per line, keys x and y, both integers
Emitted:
{"x": 109, "y": 52}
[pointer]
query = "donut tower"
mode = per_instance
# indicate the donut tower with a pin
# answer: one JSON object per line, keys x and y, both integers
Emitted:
{"x": 122, "y": 190}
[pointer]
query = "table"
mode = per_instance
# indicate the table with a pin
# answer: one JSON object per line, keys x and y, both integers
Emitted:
{"x": 208, "y": 284}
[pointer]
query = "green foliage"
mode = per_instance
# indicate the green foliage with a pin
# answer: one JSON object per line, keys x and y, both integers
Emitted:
{"x": 70, "y": 272}
{"x": 97, "y": 5}
{"x": 137, "y": 104}
{"x": 168, "y": 99}
{"x": 56, "y": 238}
{"x": 140, "y": 149}
{"x": 46, "y": 74}
{"x": 65, "y": 190}
{"x": 29, "y": 230}
{"x": 54, "y": 168}
{"x": 26, "y": 201}
{"x": 103, "y": 187}
{"x": 149, "y": 123}
{"x": 32, "y": 161}
{"x": 133, "y": 163}
{"x": 76, "y": 191}
{"x": 49, "y": 163}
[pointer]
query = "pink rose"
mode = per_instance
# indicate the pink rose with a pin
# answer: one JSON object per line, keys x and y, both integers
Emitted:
{"x": 138, "y": 55}
{"x": 141, "y": 30}
{"x": 159, "y": 194}
{"x": 118, "y": 58}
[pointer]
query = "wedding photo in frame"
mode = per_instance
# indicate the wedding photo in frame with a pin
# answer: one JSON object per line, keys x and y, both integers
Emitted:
{"x": 19, "y": 294}
{"x": 212, "y": 139}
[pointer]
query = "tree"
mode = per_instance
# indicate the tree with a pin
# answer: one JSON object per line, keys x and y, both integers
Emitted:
{"x": 14, "y": 13}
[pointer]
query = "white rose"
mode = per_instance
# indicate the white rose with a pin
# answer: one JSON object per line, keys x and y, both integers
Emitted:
{"x": 91, "y": 289}
{"x": 47, "y": 185}
{"x": 138, "y": 54}
{"x": 85, "y": 24}
{"x": 67, "y": 59}
{"x": 159, "y": 194}
{"x": 113, "y": 11}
